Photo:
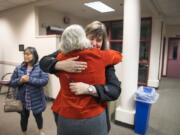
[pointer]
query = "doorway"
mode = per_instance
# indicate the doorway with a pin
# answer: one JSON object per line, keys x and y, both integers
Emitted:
{"x": 173, "y": 61}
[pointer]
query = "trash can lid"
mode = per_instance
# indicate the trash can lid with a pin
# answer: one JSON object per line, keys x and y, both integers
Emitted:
{"x": 146, "y": 94}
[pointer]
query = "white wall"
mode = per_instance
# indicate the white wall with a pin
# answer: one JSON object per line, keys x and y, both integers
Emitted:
{"x": 6, "y": 68}
{"x": 172, "y": 30}
{"x": 17, "y": 26}
{"x": 46, "y": 45}
{"x": 20, "y": 26}
{"x": 50, "y": 17}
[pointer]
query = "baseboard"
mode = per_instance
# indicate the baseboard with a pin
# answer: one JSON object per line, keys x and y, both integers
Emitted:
{"x": 153, "y": 83}
{"x": 124, "y": 124}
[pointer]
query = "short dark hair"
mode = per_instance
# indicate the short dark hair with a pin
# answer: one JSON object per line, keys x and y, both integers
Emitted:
{"x": 33, "y": 51}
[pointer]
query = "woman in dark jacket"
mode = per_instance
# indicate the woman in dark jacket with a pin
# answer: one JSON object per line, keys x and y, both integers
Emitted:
{"x": 30, "y": 80}
{"x": 96, "y": 32}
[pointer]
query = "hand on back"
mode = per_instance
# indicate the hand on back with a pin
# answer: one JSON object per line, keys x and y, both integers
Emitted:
{"x": 71, "y": 65}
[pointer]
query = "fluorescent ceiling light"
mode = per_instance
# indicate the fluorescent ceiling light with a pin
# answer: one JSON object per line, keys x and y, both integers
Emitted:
{"x": 99, "y": 6}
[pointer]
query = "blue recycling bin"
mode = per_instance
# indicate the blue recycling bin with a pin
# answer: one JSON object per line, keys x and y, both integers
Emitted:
{"x": 142, "y": 117}
{"x": 145, "y": 96}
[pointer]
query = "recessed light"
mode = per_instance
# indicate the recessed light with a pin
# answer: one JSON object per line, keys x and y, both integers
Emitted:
{"x": 99, "y": 6}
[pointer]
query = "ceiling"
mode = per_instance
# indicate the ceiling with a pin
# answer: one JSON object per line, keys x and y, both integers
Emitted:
{"x": 77, "y": 8}
{"x": 164, "y": 8}
{"x": 7, "y": 4}
{"x": 168, "y": 8}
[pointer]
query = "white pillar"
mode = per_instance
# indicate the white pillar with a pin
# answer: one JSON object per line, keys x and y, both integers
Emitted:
{"x": 131, "y": 39}
{"x": 153, "y": 79}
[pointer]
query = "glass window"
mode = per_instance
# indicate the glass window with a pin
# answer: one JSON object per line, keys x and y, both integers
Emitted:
{"x": 116, "y": 30}
{"x": 175, "y": 49}
{"x": 143, "y": 73}
{"x": 145, "y": 29}
{"x": 144, "y": 51}
{"x": 143, "y": 62}
{"x": 116, "y": 46}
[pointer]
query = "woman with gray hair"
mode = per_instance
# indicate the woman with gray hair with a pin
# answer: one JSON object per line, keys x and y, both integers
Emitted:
{"x": 81, "y": 114}
{"x": 74, "y": 38}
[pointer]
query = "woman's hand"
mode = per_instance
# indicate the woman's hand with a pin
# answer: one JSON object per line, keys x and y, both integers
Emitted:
{"x": 79, "y": 88}
{"x": 71, "y": 65}
{"x": 24, "y": 79}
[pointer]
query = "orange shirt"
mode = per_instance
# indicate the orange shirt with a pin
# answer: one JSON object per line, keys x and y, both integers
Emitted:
{"x": 72, "y": 106}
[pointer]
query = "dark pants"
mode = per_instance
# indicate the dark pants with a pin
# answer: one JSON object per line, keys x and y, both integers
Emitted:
{"x": 56, "y": 120}
{"x": 25, "y": 116}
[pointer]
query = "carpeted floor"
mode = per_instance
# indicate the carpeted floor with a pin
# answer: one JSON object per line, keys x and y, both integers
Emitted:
{"x": 164, "y": 119}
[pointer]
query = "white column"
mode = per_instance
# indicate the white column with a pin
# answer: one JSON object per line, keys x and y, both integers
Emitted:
{"x": 165, "y": 57}
{"x": 131, "y": 39}
{"x": 153, "y": 79}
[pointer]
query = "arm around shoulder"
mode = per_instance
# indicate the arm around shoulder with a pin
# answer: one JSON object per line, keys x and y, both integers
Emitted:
{"x": 47, "y": 63}
{"x": 111, "y": 57}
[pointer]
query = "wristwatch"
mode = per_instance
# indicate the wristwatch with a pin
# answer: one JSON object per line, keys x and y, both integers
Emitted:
{"x": 91, "y": 89}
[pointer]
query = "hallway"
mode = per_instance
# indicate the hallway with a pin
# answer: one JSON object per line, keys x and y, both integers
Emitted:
{"x": 164, "y": 119}
{"x": 165, "y": 114}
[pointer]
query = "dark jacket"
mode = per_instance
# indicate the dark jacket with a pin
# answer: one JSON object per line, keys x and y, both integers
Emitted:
{"x": 108, "y": 92}
{"x": 38, "y": 79}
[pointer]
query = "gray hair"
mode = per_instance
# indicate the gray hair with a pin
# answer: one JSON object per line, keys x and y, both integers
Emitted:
{"x": 74, "y": 38}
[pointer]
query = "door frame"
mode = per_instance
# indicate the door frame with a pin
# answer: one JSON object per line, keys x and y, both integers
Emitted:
{"x": 170, "y": 39}
{"x": 163, "y": 57}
